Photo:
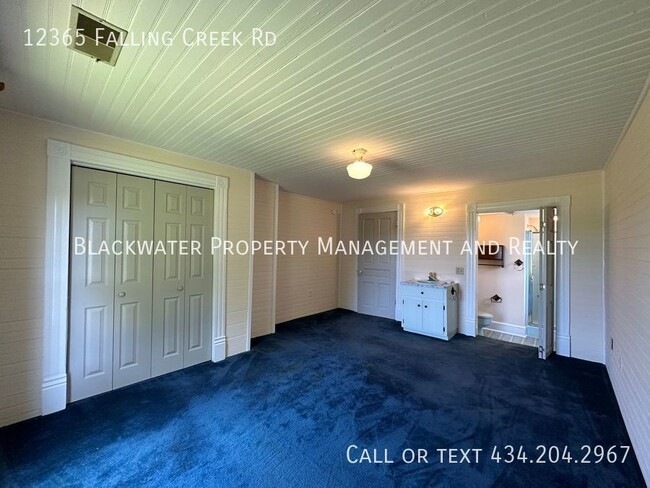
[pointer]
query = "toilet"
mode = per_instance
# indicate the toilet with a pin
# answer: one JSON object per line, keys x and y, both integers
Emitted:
{"x": 484, "y": 319}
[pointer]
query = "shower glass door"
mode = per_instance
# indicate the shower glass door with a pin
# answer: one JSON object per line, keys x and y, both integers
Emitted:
{"x": 532, "y": 283}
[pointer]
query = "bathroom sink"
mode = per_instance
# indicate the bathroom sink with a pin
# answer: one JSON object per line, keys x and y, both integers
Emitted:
{"x": 425, "y": 281}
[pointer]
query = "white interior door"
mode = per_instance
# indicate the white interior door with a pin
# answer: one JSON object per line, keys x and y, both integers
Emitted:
{"x": 547, "y": 283}
{"x": 133, "y": 282}
{"x": 198, "y": 277}
{"x": 137, "y": 314}
{"x": 376, "y": 273}
{"x": 91, "y": 282}
{"x": 168, "y": 279}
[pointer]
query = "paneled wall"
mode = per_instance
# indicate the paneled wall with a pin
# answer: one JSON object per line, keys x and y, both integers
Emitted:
{"x": 22, "y": 231}
{"x": 585, "y": 189}
{"x": 264, "y": 265}
{"x": 306, "y": 284}
{"x": 23, "y": 165}
{"x": 627, "y": 280}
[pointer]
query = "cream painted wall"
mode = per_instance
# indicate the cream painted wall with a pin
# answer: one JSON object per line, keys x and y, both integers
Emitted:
{"x": 263, "y": 310}
{"x": 507, "y": 282}
{"x": 585, "y": 189}
{"x": 627, "y": 280}
{"x": 306, "y": 284}
{"x": 22, "y": 226}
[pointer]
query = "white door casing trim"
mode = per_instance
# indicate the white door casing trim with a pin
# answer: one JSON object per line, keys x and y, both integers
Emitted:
{"x": 274, "y": 271}
{"x": 60, "y": 157}
{"x": 563, "y": 264}
{"x": 251, "y": 236}
{"x": 399, "y": 208}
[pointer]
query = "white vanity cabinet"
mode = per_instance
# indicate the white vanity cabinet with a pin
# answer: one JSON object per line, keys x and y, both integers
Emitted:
{"x": 430, "y": 309}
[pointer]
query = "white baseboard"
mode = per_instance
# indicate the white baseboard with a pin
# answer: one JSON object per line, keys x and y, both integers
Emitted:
{"x": 468, "y": 328}
{"x": 219, "y": 349}
{"x": 513, "y": 329}
{"x": 563, "y": 345}
{"x": 54, "y": 394}
{"x": 532, "y": 330}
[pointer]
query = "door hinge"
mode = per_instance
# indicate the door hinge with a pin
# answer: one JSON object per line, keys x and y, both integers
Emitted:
{"x": 444, "y": 307}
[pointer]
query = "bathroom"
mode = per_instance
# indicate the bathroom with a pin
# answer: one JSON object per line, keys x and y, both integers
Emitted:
{"x": 508, "y": 277}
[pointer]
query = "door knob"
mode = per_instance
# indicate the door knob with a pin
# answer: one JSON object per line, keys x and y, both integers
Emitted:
{"x": 121, "y": 294}
{"x": 360, "y": 271}
{"x": 180, "y": 288}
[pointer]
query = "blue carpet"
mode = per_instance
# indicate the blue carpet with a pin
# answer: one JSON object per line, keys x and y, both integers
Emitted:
{"x": 285, "y": 413}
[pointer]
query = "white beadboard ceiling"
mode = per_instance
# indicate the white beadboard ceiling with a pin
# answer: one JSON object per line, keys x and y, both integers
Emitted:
{"x": 443, "y": 94}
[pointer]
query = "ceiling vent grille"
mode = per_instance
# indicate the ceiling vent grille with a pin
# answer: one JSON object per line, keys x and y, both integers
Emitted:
{"x": 95, "y": 37}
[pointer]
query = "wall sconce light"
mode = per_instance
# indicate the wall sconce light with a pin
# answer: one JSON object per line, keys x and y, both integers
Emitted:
{"x": 359, "y": 169}
{"x": 435, "y": 211}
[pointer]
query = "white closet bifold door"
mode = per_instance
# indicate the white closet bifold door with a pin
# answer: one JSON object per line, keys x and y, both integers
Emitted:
{"x": 168, "y": 279}
{"x": 137, "y": 312}
{"x": 133, "y": 281}
{"x": 91, "y": 283}
{"x": 198, "y": 277}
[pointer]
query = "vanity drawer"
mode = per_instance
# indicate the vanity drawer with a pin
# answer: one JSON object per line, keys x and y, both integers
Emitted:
{"x": 425, "y": 292}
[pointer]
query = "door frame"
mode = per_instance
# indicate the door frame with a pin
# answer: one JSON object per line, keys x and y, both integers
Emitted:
{"x": 562, "y": 264}
{"x": 61, "y": 156}
{"x": 399, "y": 208}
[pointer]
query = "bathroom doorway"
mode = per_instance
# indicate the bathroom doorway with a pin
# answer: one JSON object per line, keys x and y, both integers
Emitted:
{"x": 515, "y": 277}
{"x": 554, "y": 315}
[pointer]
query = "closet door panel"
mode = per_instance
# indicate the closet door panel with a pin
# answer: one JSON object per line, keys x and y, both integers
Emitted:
{"x": 168, "y": 279}
{"x": 198, "y": 280}
{"x": 133, "y": 281}
{"x": 92, "y": 273}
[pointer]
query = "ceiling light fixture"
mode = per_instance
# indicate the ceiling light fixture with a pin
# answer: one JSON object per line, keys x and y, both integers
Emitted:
{"x": 359, "y": 169}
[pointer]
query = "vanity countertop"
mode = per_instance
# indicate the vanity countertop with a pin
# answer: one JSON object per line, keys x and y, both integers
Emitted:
{"x": 429, "y": 284}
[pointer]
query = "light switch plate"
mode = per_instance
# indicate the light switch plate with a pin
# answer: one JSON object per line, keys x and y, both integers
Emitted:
{"x": 460, "y": 270}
